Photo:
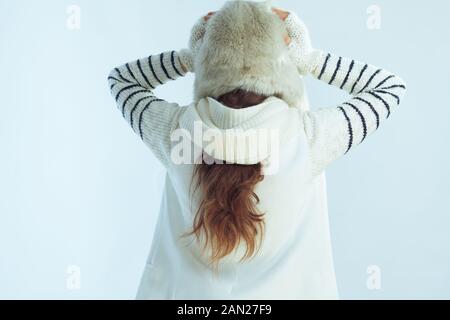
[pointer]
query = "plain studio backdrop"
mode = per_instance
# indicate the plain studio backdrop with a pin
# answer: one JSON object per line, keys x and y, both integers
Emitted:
{"x": 80, "y": 193}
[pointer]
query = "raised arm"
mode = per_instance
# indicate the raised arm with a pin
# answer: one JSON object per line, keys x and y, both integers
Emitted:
{"x": 376, "y": 93}
{"x": 132, "y": 86}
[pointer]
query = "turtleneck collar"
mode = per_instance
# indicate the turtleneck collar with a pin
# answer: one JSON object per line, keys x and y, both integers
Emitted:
{"x": 224, "y": 117}
{"x": 273, "y": 115}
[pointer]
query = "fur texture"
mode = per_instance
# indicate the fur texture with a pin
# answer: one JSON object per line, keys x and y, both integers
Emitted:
{"x": 243, "y": 47}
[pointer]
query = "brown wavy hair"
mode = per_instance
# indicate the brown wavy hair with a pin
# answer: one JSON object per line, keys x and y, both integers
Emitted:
{"x": 227, "y": 212}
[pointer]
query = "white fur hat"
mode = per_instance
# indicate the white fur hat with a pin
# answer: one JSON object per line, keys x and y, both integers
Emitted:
{"x": 243, "y": 47}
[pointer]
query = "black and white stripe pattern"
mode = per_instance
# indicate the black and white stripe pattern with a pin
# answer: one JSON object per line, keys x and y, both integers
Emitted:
{"x": 132, "y": 86}
{"x": 376, "y": 93}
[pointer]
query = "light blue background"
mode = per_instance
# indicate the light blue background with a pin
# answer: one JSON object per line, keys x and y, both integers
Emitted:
{"x": 79, "y": 188}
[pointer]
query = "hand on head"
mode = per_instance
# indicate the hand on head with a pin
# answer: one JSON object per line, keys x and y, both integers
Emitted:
{"x": 282, "y": 15}
{"x": 209, "y": 15}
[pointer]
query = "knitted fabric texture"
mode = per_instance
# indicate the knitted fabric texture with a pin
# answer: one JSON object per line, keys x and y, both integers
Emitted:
{"x": 187, "y": 55}
{"x": 300, "y": 47}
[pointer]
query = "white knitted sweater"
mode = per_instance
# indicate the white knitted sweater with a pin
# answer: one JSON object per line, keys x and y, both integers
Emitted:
{"x": 174, "y": 268}
{"x": 332, "y": 132}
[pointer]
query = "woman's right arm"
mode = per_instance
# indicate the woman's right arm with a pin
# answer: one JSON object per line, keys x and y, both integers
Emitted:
{"x": 376, "y": 93}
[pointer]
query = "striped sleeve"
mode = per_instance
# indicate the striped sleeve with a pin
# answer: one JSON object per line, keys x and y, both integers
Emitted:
{"x": 333, "y": 132}
{"x": 132, "y": 85}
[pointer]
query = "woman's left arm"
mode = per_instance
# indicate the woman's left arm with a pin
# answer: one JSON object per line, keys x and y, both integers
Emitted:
{"x": 375, "y": 92}
{"x": 132, "y": 86}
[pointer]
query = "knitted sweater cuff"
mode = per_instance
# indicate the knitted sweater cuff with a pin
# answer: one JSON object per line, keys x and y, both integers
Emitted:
{"x": 314, "y": 59}
{"x": 186, "y": 59}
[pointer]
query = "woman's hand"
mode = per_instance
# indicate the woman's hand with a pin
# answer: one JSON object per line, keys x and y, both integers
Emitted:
{"x": 283, "y": 15}
{"x": 300, "y": 48}
{"x": 187, "y": 55}
{"x": 209, "y": 15}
